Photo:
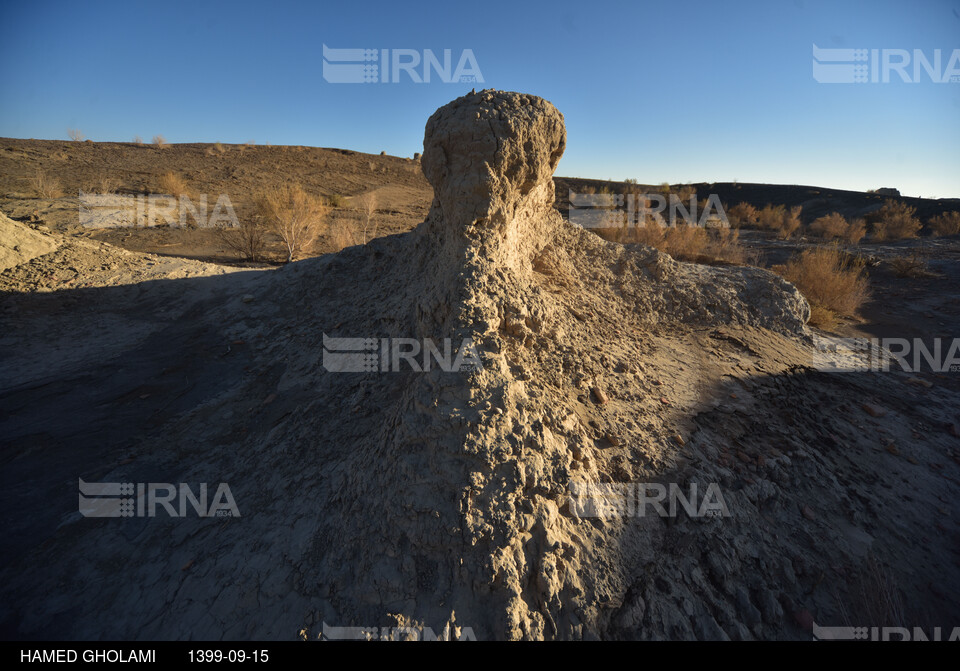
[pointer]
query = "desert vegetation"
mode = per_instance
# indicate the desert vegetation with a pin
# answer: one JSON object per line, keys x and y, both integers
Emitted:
{"x": 945, "y": 223}
{"x": 895, "y": 221}
{"x": 833, "y": 282}
{"x": 685, "y": 242}
{"x": 911, "y": 265}
{"x": 743, "y": 215}
{"x": 172, "y": 183}
{"x": 104, "y": 184}
{"x": 834, "y": 226}
{"x": 367, "y": 203}
{"x": 294, "y": 215}
{"x": 45, "y": 185}
{"x": 778, "y": 218}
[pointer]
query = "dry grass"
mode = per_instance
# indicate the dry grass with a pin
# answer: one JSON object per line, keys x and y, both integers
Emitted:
{"x": 896, "y": 221}
{"x": 833, "y": 283}
{"x": 137, "y": 140}
{"x": 874, "y": 598}
{"x": 342, "y": 234}
{"x": 159, "y": 141}
{"x": 945, "y": 223}
{"x": 75, "y": 134}
{"x": 46, "y": 186}
{"x": 298, "y": 217}
{"x": 172, "y": 183}
{"x": 104, "y": 184}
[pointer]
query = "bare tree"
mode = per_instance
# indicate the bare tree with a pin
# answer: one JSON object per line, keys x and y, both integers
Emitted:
{"x": 247, "y": 239}
{"x": 368, "y": 208}
{"x": 293, "y": 214}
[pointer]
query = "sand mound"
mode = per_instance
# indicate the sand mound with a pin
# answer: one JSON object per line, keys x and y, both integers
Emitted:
{"x": 442, "y": 498}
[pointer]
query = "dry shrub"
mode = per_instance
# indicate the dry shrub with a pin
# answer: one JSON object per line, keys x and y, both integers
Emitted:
{"x": 832, "y": 282}
{"x": 913, "y": 265}
{"x": 159, "y": 141}
{"x": 779, "y": 219}
{"x": 75, "y": 134}
{"x": 696, "y": 244}
{"x": 743, "y": 215}
{"x": 172, "y": 183}
{"x": 945, "y": 223}
{"x": 46, "y": 186}
{"x": 791, "y": 222}
{"x": 104, "y": 184}
{"x": 293, "y": 214}
{"x": 247, "y": 239}
{"x": 856, "y": 229}
{"x": 821, "y": 316}
{"x": 342, "y": 234}
{"x": 771, "y": 217}
{"x": 685, "y": 242}
{"x": 829, "y": 226}
{"x": 835, "y": 226}
{"x": 137, "y": 140}
{"x": 896, "y": 221}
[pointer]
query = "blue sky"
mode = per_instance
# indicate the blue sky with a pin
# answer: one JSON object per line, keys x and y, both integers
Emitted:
{"x": 657, "y": 91}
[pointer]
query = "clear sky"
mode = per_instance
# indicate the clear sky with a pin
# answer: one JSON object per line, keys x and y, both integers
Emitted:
{"x": 657, "y": 91}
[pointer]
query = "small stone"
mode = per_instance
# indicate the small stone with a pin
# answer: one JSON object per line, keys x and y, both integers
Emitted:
{"x": 678, "y": 439}
{"x": 873, "y": 410}
{"x": 248, "y": 298}
{"x": 600, "y": 395}
{"x": 808, "y": 512}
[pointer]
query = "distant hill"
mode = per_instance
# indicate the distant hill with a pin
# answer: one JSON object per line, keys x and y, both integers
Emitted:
{"x": 816, "y": 201}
